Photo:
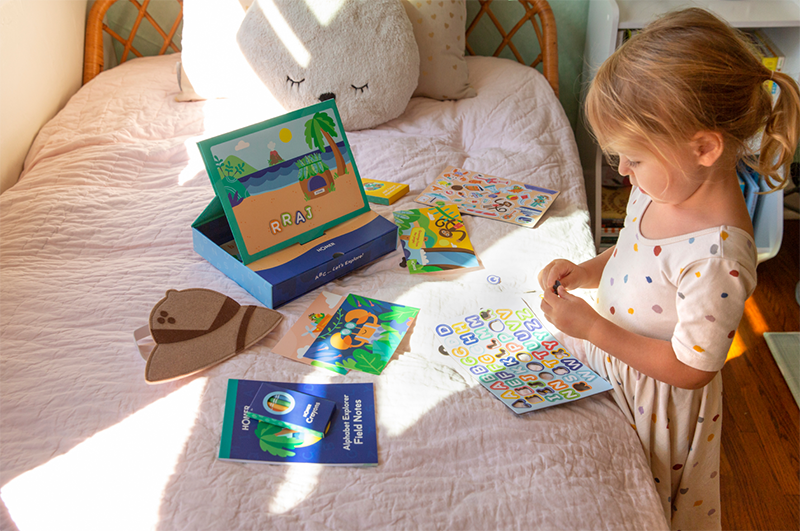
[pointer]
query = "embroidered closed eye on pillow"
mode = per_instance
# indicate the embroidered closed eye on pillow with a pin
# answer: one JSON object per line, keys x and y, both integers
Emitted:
{"x": 362, "y": 54}
{"x": 214, "y": 65}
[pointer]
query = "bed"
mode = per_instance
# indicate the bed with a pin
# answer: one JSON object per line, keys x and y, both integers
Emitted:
{"x": 98, "y": 228}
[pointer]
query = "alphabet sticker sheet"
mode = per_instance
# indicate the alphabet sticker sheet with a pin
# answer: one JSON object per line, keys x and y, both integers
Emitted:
{"x": 516, "y": 359}
{"x": 490, "y": 197}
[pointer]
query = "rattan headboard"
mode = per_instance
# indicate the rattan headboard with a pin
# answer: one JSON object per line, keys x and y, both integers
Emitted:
{"x": 538, "y": 12}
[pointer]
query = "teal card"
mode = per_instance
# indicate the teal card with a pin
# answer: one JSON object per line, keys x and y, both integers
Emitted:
{"x": 286, "y": 180}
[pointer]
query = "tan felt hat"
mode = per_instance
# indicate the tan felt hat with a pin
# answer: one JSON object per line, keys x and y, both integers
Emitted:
{"x": 197, "y": 328}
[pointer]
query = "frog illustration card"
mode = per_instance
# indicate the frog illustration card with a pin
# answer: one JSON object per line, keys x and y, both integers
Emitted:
{"x": 488, "y": 196}
{"x": 285, "y": 180}
{"x": 306, "y": 329}
{"x": 362, "y": 334}
{"x": 434, "y": 239}
{"x": 511, "y": 354}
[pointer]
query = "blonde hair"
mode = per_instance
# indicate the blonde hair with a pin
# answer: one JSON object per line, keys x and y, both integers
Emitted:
{"x": 687, "y": 72}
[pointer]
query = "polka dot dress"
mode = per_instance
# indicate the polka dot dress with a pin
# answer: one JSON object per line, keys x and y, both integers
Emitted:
{"x": 689, "y": 290}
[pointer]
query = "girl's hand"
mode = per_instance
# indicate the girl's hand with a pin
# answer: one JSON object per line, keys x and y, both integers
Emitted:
{"x": 570, "y": 314}
{"x": 570, "y": 275}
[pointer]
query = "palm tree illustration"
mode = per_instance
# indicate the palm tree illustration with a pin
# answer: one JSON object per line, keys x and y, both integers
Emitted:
{"x": 319, "y": 126}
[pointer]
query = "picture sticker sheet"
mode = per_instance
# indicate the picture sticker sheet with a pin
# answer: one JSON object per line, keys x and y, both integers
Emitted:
{"x": 434, "y": 239}
{"x": 516, "y": 359}
{"x": 490, "y": 197}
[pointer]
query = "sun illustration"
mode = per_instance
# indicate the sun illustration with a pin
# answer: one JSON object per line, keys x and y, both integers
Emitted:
{"x": 285, "y": 135}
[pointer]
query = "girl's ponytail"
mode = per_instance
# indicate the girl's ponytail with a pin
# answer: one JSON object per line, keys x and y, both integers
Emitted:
{"x": 780, "y": 133}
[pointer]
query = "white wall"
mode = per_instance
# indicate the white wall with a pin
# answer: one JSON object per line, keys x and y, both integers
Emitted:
{"x": 41, "y": 66}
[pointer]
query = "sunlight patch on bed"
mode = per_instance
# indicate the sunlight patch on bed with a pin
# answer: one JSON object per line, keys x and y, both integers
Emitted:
{"x": 194, "y": 166}
{"x": 96, "y": 482}
{"x": 410, "y": 390}
{"x": 285, "y": 32}
{"x": 301, "y": 479}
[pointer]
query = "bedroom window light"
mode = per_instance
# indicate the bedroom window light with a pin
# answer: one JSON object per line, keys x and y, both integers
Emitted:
{"x": 74, "y": 487}
{"x": 285, "y": 32}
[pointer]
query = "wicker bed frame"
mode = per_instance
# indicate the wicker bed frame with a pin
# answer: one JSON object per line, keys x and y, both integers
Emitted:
{"x": 538, "y": 12}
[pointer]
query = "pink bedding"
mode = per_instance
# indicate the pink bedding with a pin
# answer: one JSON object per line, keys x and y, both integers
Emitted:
{"x": 98, "y": 228}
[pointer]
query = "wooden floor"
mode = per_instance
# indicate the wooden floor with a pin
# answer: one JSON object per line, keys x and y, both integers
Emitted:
{"x": 759, "y": 468}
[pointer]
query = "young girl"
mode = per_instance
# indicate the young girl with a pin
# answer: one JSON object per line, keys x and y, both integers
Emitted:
{"x": 679, "y": 105}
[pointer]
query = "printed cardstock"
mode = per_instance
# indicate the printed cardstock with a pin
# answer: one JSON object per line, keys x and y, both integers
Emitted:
{"x": 285, "y": 180}
{"x": 383, "y": 192}
{"x": 362, "y": 335}
{"x": 490, "y": 197}
{"x": 434, "y": 239}
{"x": 306, "y": 329}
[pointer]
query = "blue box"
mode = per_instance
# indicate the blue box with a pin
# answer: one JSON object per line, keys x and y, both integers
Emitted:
{"x": 290, "y": 211}
{"x": 294, "y": 271}
{"x": 292, "y": 409}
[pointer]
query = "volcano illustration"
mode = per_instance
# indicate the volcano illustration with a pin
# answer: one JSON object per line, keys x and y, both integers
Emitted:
{"x": 274, "y": 158}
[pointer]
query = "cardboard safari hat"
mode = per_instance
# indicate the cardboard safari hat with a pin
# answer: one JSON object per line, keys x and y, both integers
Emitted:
{"x": 197, "y": 328}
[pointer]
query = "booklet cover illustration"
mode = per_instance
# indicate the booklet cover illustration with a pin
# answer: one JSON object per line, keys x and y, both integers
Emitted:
{"x": 351, "y": 439}
{"x": 490, "y": 197}
{"x": 285, "y": 180}
{"x": 434, "y": 239}
{"x": 516, "y": 359}
{"x": 362, "y": 334}
{"x": 291, "y": 409}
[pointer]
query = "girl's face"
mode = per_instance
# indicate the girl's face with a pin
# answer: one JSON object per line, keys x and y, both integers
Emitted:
{"x": 664, "y": 181}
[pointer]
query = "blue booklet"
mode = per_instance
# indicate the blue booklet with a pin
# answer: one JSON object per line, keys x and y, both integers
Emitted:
{"x": 291, "y": 409}
{"x": 351, "y": 439}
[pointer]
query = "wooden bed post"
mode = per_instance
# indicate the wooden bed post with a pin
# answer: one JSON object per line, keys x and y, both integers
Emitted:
{"x": 93, "y": 45}
{"x": 546, "y": 34}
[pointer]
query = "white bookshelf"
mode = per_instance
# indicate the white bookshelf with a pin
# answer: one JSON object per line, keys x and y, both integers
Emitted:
{"x": 780, "y": 19}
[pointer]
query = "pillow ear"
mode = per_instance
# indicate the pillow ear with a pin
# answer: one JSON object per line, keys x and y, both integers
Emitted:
{"x": 439, "y": 28}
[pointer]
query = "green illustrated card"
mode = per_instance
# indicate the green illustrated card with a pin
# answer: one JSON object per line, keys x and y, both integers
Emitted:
{"x": 362, "y": 334}
{"x": 285, "y": 180}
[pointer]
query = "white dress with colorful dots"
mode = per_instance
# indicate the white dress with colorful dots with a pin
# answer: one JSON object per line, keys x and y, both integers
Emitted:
{"x": 689, "y": 290}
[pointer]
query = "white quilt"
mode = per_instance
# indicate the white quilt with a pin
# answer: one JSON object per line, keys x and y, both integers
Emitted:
{"x": 97, "y": 230}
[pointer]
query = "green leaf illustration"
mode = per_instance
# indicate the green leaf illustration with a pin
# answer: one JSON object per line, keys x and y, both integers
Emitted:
{"x": 368, "y": 361}
{"x": 276, "y": 450}
{"x": 399, "y": 313}
{"x": 277, "y": 445}
{"x": 349, "y": 363}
